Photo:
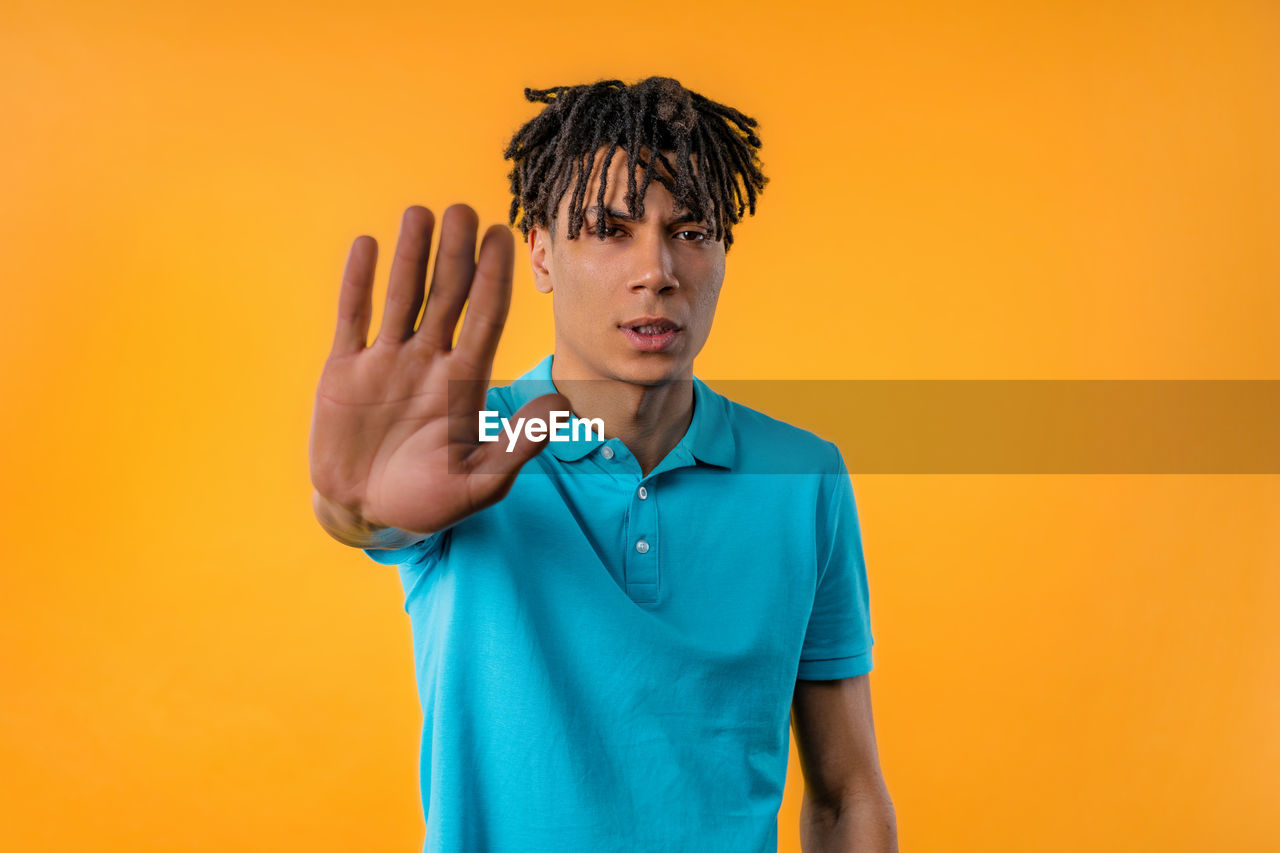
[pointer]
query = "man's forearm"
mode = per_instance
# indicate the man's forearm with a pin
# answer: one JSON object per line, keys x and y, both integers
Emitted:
{"x": 860, "y": 824}
{"x": 349, "y": 528}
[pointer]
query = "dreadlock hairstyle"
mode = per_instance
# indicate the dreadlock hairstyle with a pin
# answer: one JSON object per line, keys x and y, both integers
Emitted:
{"x": 559, "y": 145}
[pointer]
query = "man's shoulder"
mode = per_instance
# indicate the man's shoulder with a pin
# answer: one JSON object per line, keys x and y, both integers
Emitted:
{"x": 501, "y": 398}
{"x": 767, "y": 444}
{"x": 510, "y": 397}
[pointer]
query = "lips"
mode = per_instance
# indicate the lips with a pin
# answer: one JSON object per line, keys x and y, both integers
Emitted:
{"x": 651, "y": 334}
{"x": 651, "y": 325}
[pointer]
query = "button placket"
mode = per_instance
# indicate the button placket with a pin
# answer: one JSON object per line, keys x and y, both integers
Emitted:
{"x": 642, "y": 546}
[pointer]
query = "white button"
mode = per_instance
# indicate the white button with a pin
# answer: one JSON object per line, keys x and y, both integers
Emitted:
{"x": 644, "y": 493}
{"x": 642, "y": 546}
{"x": 607, "y": 452}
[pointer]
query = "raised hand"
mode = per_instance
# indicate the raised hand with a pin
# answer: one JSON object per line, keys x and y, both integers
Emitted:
{"x": 392, "y": 441}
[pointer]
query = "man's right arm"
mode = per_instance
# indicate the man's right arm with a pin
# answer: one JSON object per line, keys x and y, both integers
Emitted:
{"x": 386, "y": 455}
{"x": 350, "y": 528}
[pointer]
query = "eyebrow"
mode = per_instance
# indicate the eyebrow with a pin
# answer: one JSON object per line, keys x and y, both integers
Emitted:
{"x": 623, "y": 216}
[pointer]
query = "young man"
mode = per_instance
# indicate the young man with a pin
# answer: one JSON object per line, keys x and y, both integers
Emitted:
{"x": 611, "y": 632}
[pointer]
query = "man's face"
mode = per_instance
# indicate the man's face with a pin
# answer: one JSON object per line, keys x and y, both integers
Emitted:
{"x": 663, "y": 267}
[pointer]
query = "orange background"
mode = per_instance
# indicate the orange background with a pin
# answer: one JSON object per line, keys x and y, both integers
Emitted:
{"x": 1004, "y": 190}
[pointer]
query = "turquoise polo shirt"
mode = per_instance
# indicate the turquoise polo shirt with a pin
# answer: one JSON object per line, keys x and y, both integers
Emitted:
{"x": 606, "y": 661}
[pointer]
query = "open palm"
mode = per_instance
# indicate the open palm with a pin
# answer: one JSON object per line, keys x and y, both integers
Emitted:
{"x": 394, "y": 436}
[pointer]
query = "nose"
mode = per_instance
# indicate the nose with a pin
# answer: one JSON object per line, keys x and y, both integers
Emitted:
{"x": 651, "y": 264}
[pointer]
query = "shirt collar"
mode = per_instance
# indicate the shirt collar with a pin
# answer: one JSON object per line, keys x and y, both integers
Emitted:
{"x": 709, "y": 438}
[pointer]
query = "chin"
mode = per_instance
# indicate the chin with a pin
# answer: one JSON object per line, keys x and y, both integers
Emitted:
{"x": 650, "y": 369}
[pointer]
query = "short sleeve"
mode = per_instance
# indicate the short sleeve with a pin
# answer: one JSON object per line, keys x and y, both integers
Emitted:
{"x": 838, "y": 640}
{"x": 415, "y": 561}
{"x": 420, "y": 553}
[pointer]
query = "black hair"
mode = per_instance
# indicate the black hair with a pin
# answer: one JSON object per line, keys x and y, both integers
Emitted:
{"x": 559, "y": 146}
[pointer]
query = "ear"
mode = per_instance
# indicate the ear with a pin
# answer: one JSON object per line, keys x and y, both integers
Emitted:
{"x": 539, "y": 257}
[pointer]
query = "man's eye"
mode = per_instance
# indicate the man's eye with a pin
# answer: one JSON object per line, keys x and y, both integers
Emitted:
{"x": 693, "y": 236}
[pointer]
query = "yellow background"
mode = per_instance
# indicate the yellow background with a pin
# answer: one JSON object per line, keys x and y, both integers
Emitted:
{"x": 982, "y": 190}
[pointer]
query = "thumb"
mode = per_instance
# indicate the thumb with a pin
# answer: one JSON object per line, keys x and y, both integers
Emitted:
{"x": 505, "y": 458}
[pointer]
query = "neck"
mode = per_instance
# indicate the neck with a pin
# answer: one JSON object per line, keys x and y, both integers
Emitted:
{"x": 649, "y": 419}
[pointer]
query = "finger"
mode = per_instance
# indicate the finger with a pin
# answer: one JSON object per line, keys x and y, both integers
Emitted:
{"x": 493, "y": 458}
{"x": 490, "y": 297}
{"x": 355, "y": 302}
{"x": 451, "y": 279}
{"x": 408, "y": 275}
